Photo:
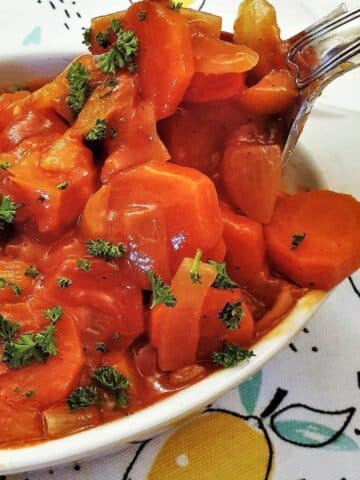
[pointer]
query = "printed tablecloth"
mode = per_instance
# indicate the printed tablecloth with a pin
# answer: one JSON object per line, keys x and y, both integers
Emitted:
{"x": 297, "y": 419}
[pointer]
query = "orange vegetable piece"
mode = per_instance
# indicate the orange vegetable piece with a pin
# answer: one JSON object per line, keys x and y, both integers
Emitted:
{"x": 330, "y": 250}
{"x": 175, "y": 331}
{"x": 213, "y": 331}
{"x": 251, "y": 177}
{"x": 18, "y": 425}
{"x": 52, "y": 380}
{"x": 245, "y": 246}
{"x": 207, "y": 88}
{"x": 274, "y": 93}
{"x": 256, "y": 27}
{"x": 165, "y": 61}
{"x": 202, "y": 23}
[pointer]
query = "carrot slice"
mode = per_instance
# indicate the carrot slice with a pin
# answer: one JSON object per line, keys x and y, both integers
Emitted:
{"x": 175, "y": 331}
{"x": 18, "y": 425}
{"x": 251, "y": 177}
{"x": 51, "y": 381}
{"x": 207, "y": 88}
{"x": 245, "y": 246}
{"x": 330, "y": 249}
{"x": 165, "y": 61}
{"x": 213, "y": 331}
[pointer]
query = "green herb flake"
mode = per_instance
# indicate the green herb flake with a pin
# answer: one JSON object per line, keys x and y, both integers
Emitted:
{"x": 29, "y": 394}
{"x": 107, "y": 250}
{"x": 162, "y": 293}
{"x": 31, "y": 271}
{"x": 54, "y": 314}
{"x": 14, "y": 286}
{"x": 97, "y": 133}
{"x": 231, "y": 315}
{"x": 62, "y": 185}
{"x": 83, "y": 264}
{"x": 176, "y": 6}
{"x": 112, "y": 133}
{"x": 83, "y": 397}
{"x": 63, "y": 282}
{"x": 231, "y": 355}
{"x": 79, "y": 79}
{"x": 5, "y": 165}
{"x": 194, "y": 270}
{"x": 8, "y": 329}
{"x": 87, "y": 37}
{"x": 222, "y": 280}
{"x": 114, "y": 382}
{"x": 7, "y": 211}
{"x": 102, "y": 39}
{"x": 100, "y": 347}
{"x": 297, "y": 239}
{"x": 122, "y": 54}
{"x": 142, "y": 15}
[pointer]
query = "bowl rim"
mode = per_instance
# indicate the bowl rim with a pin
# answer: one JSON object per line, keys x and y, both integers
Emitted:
{"x": 113, "y": 435}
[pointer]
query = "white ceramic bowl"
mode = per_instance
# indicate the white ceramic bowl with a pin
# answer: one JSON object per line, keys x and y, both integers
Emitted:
{"x": 311, "y": 171}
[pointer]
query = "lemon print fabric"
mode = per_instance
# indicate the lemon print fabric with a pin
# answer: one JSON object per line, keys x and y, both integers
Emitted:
{"x": 218, "y": 445}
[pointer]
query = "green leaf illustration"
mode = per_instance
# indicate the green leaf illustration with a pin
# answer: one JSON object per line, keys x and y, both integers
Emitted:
{"x": 249, "y": 392}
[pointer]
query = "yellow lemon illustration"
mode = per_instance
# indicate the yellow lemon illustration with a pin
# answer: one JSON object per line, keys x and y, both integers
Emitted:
{"x": 215, "y": 446}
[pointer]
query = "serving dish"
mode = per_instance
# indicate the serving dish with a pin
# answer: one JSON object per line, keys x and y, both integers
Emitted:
{"x": 303, "y": 171}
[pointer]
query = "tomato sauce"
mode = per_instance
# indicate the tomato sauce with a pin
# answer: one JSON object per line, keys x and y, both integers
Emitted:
{"x": 144, "y": 240}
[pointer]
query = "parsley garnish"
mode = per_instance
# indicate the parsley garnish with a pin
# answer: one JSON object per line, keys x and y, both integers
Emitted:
{"x": 30, "y": 347}
{"x": 54, "y": 314}
{"x": 222, "y": 280}
{"x": 62, "y": 185}
{"x": 297, "y": 239}
{"x": 86, "y": 37}
{"x": 111, "y": 83}
{"x": 79, "y": 79}
{"x": 104, "y": 249}
{"x": 231, "y": 355}
{"x": 31, "y": 271}
{"x": 122, "y": 54}
{"x": 194, "y": 270}
{"x": 100, "y": 347}
{"x": 7, "y": 211}
{"x": 97, "y": 132}
{"x": 29, "y": 394}
{"x": 102, "y": 39}
{"x": 161, "y": 292}
{"x": 83, "y": 397}
{"x": 142, "y": 15}
{"x": 14, "y": 286}
{"x": 176, "y": 6}
{"x": 231, "y": 314}
{"x": 83, "y": 264}
{"x": 63, "y": 282}
{"x": 5, "y": 165}
{"x": 8, "y": 329}
{"x": 114, "y": 382}
{"x": 112, "y": 133}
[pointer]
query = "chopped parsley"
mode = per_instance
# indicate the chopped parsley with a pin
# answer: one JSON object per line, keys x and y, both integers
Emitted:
{"x": 100, "y": 347}
{"x": 114, "y": 382}
{"x": 63, "y": 282}
{"x": 142, "y": 15}
{"x": 222, "y": 280}
{"x": 14, "y": 286}
{"x": 97, "y": 133}
{"x": 83, "y": 397}
{"x": 30, "y": 347}
{"x": 29, "y": 394}
{"x": 54, "y": 314}
{"x": 5, "y": 165}
{"x": 7, "y": 211}
{"x": 102, "y": 39}
{"x": 62, "y": 185}
{"x": 194, "y": 270}
{"x": 8, "y": 329}
{"x": 297, "y": 239}
{"x": 31, "y": 271}
{"x": 162, "y": 293}
{"x": 86, "y": 37}
{"x": 111, "y": 83}
{"x": 123, "y": 51}
{"x": 104, "y": 249}
{"x": 231, "y": 315}
{"x": 231, "y": 355}
{"x": 83, "y": 264}
{"x": 79, "y": 79}
{"x": 176, "y": 6}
